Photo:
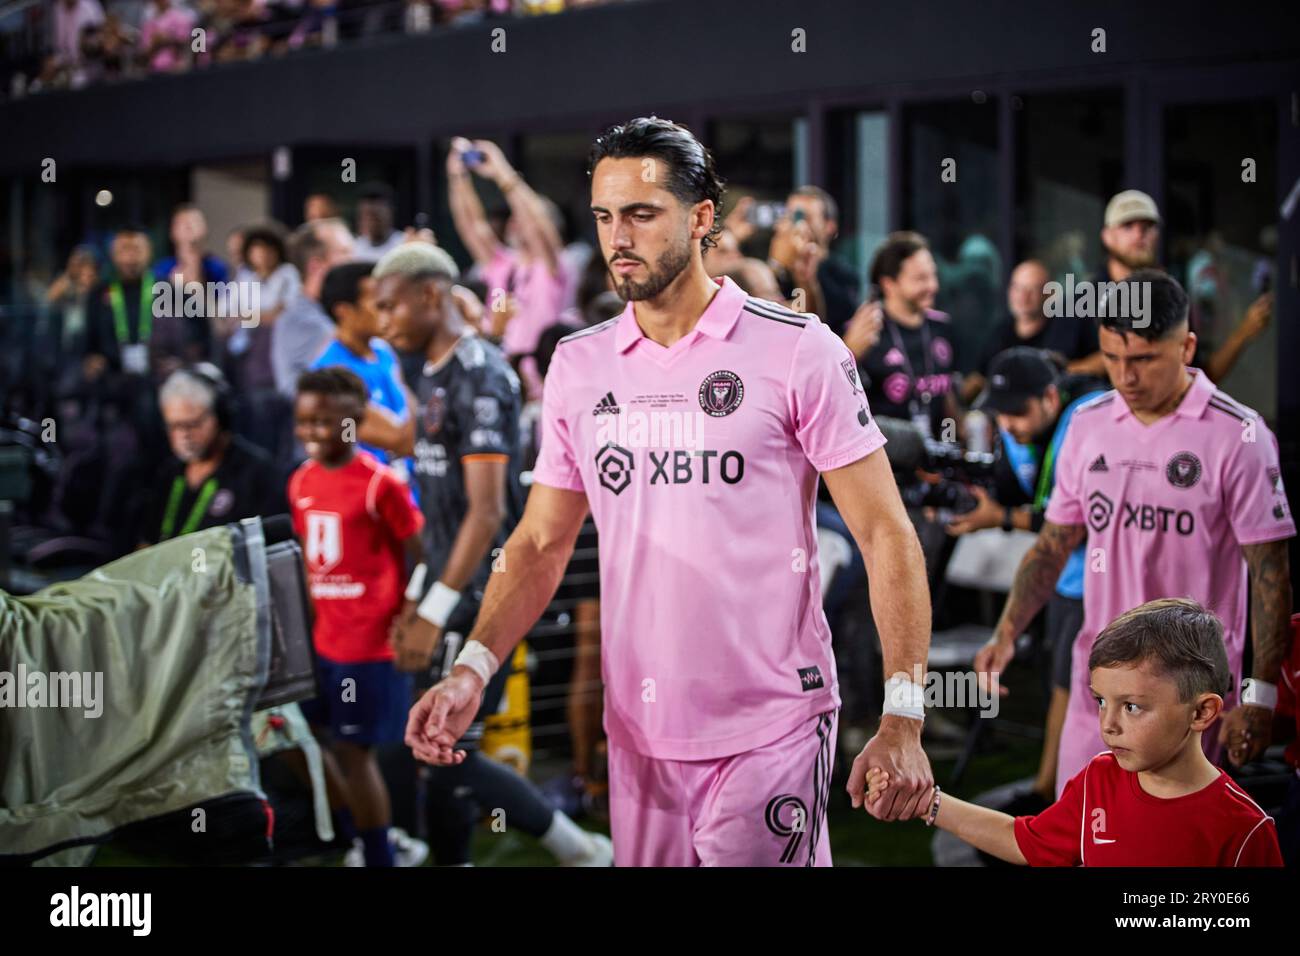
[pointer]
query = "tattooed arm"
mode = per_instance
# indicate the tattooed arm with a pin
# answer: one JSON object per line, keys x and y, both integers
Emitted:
{"x": 1247, "y": 731}
{"x": 1034, "y": 584}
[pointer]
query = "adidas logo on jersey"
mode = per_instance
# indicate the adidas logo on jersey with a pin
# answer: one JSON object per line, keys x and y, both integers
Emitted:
{"x": 607, "y": 406}
{"x": 1099, "y": 464}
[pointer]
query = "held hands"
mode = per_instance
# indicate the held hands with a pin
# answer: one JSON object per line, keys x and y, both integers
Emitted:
{"x": 896, "y": 751}
{"x": 878, "y": 786}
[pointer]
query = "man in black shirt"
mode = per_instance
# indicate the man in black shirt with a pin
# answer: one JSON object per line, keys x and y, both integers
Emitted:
{"x": 1073, "y": 339}
{"x": 907, "y": 367}
{"x": 467, "y": 465}
{"x": 835, "y": 282}
{"x": 214, "y": 477}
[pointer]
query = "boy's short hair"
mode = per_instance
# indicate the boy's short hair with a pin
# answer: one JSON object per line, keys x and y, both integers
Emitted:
{"x": 335, "y": 381}
{"x": 1178, "y": 636}
{"x": 343, "y": 284}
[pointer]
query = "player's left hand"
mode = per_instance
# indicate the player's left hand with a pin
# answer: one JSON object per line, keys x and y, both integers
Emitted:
{"x": 413, "y": 640}
{"x": 895, "y": 749}
{"x": 1246, "y": 731}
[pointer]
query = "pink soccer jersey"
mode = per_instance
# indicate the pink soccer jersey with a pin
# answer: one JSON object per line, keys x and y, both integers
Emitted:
{"x": 700, "y": 464}
{"x": 1168, "y": 507}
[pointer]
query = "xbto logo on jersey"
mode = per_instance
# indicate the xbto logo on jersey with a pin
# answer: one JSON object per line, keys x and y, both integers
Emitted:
{"x": 1138, "y": 517}
{"x": 614, "y": 466}
{"x": 1183, "y": 470}
{"x": 721, "y": 393}
{"x": 731, "y": 466}
{"x": 794, "y": 829}
{"x": 1100, "y": 508}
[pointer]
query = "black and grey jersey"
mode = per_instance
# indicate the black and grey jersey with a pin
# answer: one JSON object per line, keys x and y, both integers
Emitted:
{"x": 466, "y": 406}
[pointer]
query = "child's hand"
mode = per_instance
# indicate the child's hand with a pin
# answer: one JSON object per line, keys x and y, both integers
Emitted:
{"x": 877, "y": 783}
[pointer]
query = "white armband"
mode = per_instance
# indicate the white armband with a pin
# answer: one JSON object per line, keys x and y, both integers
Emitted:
{"x": 438, "y": 604}
{"x": 478, "y": 658}
{"x": 416, "y": 584}
{"x": 903, "y": 698}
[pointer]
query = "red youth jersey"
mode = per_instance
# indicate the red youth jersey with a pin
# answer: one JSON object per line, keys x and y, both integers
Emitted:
{"x": 352, "y": 522}
{"x": 1105, "y": 818}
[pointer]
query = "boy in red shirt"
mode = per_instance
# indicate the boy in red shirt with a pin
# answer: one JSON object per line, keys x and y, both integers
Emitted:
{"x": 1159, "y": 674}
{"x": 1287, "y": 727}
{"x": 360, "y": 534}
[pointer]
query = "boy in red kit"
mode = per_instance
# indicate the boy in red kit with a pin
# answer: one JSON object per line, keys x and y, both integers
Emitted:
{"x": 360, "y": 534}
{"x": 1159, "y": 674}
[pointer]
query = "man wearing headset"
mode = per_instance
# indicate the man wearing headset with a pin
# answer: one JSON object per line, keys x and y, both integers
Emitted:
{"x": 214, "y": 476}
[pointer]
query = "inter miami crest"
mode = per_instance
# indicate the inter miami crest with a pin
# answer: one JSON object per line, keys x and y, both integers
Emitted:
{"x": 1183, "y": 470}
{"x": 721, "y": 393}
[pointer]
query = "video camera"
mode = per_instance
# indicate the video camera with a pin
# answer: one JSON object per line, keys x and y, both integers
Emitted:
{"x": 912, "y": 453}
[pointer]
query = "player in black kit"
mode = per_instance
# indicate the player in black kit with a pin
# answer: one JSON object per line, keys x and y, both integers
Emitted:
{"x": 467, "y": 463}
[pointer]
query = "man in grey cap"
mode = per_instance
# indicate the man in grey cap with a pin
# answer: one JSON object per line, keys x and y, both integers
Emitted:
{"x": 1131, "y": 237}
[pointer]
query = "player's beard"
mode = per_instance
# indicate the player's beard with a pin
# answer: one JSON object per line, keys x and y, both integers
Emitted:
{"x": 667, "y": 268}
{"x": 1142, "y": 259}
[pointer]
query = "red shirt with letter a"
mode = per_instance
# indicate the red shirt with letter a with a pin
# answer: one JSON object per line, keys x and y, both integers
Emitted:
{"x": 1104, "y": 818}
{"x": 352, "y": 522}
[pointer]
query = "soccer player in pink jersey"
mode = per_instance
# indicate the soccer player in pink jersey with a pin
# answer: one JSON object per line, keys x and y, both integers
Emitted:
{"x": 694, "y": 426}
{"x": 1177, "y": 489}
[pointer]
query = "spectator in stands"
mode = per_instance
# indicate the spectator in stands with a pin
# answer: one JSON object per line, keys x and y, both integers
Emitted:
{"x": 1131, "y": 238}
{"x": 265, "y": 416}
{"x": 348, "y": 297}
{"x": 1073, "y": 339}
{"x": 319, "y": 206}
{"x": 907, "y": 369}
{"x": 214, "y": 476}
{"x": 303, "y": 329}
{"x": 318, "y": 25}
{"x": 69, "y": 299}
{"x": 375, "y": 232}
{"x": 832, "y": 286}
{"x": 525, "y": 284}
{"x": 190, "y": 259}
{"x": 165, "y": 36}
{"x": 65, "y": 61}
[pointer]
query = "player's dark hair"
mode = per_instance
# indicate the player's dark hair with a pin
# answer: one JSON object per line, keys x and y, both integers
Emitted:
{"x": 897, "y": 248}
{"x": 1167, "y": 308}
{"x": 343, "y": 284}
{"x": 1180, "y": 637}
{"x": 334, "y": 381}
{"x": 691, "y": 175}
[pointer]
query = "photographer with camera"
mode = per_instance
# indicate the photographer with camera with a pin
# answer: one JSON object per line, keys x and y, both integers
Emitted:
{"x": 1034, "y": 403}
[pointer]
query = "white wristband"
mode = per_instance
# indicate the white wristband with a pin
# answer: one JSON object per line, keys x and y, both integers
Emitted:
{"x": 478, "y": 658}
{"x": 903, "y": 698}
{"x": 438, "y": 604}
{"x": 416, "y": 584}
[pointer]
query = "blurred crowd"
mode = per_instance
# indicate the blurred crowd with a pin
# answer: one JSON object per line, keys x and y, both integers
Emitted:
{"x": 72, "y": 43}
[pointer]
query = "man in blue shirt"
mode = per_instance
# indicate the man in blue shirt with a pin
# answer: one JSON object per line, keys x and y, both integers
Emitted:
{"x": 1034, "y": 403}
{"x": 388, "y": 429}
